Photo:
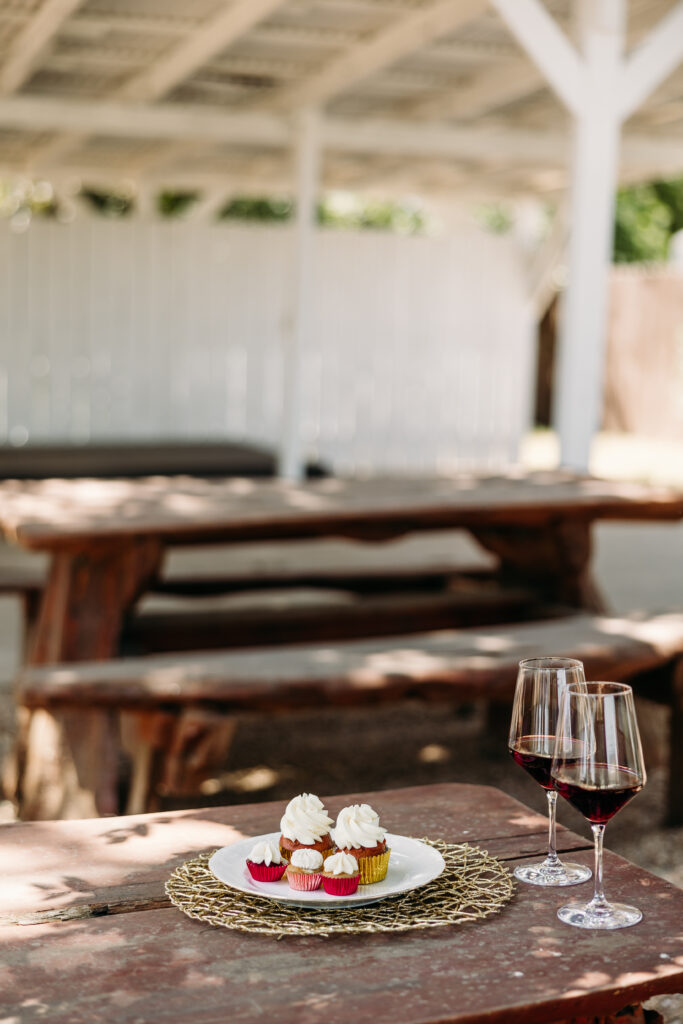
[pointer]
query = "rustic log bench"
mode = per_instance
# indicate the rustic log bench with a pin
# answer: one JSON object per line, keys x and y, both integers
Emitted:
{"x": 175, "y": 714}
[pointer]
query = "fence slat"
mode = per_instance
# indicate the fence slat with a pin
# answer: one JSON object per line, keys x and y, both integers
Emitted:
{"x": 420, "y": 356}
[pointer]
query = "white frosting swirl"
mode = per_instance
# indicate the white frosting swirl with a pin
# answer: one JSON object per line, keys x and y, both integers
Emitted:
{"x": 341, "y": 864}
{"x": 309, "y": 859}
{"x": 265, "y": 853}
{"x": 358, "y": 825}
{"x": 305, "y": 820}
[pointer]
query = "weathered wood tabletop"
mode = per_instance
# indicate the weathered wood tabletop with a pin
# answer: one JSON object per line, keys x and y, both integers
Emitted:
{"x": 87, "y": 934}
{"x": 107, "y": 537}
{"x": 47, "y": 514}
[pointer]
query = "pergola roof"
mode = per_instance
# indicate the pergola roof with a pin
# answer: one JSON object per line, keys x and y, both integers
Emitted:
{"x": 423, "y": 95}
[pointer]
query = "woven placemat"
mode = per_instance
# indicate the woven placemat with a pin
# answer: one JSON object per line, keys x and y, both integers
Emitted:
{"x": 472, "y": 886}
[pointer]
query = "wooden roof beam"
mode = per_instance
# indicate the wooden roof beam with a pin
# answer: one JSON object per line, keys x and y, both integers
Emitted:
{"x": 193, "y": 51}
{"x": 363, "y": 58}
{"x": 653, "y": 60}
{"x": 32, "y": 41}
{"x": 543, "y": 40}
{"x": 505, "y": 80}
{"x": 497, "y": 85}
{"x": 351, "y": 135}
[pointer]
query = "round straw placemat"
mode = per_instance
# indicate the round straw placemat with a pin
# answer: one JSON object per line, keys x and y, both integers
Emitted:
{"x": 472, "y": 886}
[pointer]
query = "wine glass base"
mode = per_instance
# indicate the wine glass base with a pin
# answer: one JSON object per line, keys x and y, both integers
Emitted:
{"x": 562, "y": 874}
{"x": 615, "y": 915}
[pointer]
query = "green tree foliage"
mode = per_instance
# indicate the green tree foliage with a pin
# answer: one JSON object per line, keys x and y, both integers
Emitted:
{"x": 174, "y": 204}
{"x": 646, "y": 218}
{"x": 265, "y": 209}
{"x": 109, "y": 204}
{"x": 346, "y": 212}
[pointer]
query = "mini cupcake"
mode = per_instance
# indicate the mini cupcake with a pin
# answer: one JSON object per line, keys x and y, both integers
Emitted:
{"x": 265, "y": 862}
{"x": 359, "y": 832}
{"x": 305, "y": 825}
{"x": 304, "y": 870}
{"x": 341, "y": 875}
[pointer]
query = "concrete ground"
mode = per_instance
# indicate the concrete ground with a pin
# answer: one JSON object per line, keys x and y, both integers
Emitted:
{"x": 638, "y": 566}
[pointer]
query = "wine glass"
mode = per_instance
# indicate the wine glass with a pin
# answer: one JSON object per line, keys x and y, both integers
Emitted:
{"x": 598, "y": 767}
{"x": 540, "y": 683}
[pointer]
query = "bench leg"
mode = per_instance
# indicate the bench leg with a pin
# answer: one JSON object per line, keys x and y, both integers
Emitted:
{"x": 67, "y": 762}
{"x": 675, "y": 793}
{"x": 69, "y": 766}
{"x": 174, "y": 754}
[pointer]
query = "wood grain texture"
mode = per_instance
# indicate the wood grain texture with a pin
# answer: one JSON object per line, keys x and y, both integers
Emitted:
{"x": 52, "y": 513}
{"x": 68, "y": 760}
{"x": 147, "y": 964}
{"x": 174, "y": 714}
{"x": 447, "y": 664}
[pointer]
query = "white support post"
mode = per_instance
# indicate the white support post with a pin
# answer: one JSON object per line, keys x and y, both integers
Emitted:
{"x": 303, "y": 241}
{"x": 583, "y": 332}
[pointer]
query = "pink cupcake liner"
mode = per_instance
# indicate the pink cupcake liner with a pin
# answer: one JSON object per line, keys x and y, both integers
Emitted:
{"x": 340, "y": 885}
{"x": 266, "y": 872}
{"x": 303, "y": 882}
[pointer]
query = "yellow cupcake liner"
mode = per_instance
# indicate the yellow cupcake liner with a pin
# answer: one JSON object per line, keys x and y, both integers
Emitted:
{"x": 373, "y": 869}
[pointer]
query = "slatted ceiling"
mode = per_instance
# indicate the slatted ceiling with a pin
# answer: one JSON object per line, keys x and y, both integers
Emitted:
{"x": 248, "y": 64}
{"x": 213, "y": 93}
{"x": 179, "y": 10}
{"x": 113, "y": 44}
{"x": 48, "y": 82}
{"x": 105, "y": 43}
{"x": 273, "y": 37}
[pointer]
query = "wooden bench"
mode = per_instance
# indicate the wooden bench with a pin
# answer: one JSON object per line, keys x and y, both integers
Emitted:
{"x": 385, "y": 606}
{"x": 175, "y": 713}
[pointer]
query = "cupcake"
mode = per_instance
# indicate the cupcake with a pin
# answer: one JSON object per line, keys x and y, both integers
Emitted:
{"x": 304, "y": 870}
{"x": 359, "y": 833}
{"x": 265, "y": 862}
{"x": 305, "y": 825}
{"x": 341, "y": 875}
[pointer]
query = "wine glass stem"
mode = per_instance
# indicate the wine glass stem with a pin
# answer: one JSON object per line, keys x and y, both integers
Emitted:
{"x": 553, "y": 859}
{"x": 598, "y": 902}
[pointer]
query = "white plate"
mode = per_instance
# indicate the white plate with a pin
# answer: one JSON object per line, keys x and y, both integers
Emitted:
{"x": 411, "y": 865}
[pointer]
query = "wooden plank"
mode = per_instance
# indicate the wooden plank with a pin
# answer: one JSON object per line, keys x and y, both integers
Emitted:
{"x": 521, "y": 964}
{"x": 50, "y": 513}
{"x": 448, "y": 664}
{"x": 186, "y": 629}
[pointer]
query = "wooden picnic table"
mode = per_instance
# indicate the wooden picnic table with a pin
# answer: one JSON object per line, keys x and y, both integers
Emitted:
{"x": 88, "y": 935}
{"x": 106, "y": 538}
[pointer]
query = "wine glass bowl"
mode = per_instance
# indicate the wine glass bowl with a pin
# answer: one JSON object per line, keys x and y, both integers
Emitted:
{"x": 598, "y": 767}
{"x": 540, "y": 684}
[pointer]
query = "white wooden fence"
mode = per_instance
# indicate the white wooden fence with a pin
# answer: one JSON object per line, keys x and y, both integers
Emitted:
{"x": 420, "y": 356}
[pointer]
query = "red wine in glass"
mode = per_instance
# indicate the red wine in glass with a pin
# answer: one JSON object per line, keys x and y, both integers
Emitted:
{"x": 540, "y": 683}
{"x": 612, "y": 788}
{"x": 529, "y": 753}
{"x": 608, "y": 772}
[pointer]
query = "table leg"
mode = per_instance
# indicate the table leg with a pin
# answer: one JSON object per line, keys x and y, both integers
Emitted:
{"x": 555, "y": 558}
{"x": 67, "y": 762}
